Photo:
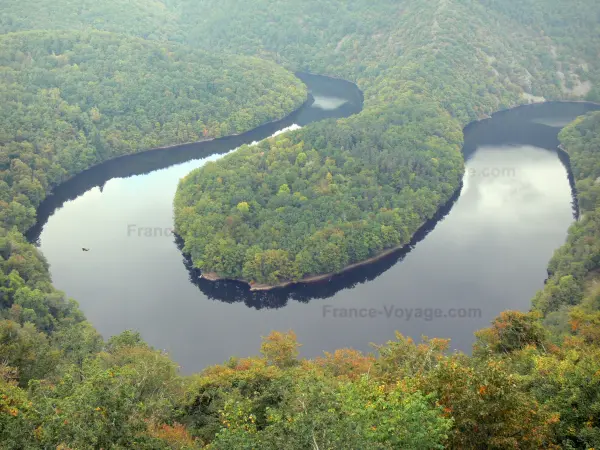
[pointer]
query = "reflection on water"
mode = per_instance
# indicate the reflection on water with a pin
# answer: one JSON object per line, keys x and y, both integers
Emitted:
{"x": 236, "y": 292}
{"x": 488, "y": 250}
{"x": 559, "y": 122}
{"x": 328, "y": 103}
{"x": 292, "y": 127}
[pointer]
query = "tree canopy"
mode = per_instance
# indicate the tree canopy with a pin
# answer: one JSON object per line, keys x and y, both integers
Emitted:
{"x": 71, "y": 99}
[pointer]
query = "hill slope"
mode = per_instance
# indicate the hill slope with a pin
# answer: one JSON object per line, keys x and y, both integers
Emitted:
{"x": 70, "y": 100}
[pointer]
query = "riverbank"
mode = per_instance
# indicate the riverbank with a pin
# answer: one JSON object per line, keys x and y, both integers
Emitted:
{"x": 563, "y": 156}
{"x": 211, "y": 276}
{"x": 425, "y": 227}
{"x": 309, "y": 101}
{"x": 144, "y": 161}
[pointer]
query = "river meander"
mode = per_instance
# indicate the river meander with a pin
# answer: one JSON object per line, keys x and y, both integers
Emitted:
{"x": 486, "y": 252}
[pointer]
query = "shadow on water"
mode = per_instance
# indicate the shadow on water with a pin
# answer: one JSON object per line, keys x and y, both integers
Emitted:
{"x": 235, "y": 292}
{"x": 518, "y": 126}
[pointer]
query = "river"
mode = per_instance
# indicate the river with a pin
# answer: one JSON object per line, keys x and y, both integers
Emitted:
{"x": 486, "y": 252}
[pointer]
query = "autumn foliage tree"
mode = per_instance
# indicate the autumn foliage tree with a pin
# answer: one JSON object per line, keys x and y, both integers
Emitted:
{"x": 512, "y": 330}
{"x": 281, "y": 349}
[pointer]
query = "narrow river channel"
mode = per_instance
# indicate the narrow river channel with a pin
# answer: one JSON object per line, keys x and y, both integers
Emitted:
{"x": 487, "y": 251}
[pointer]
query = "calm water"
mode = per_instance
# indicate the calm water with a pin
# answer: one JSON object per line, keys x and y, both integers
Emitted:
{"x": 488, "y": 250}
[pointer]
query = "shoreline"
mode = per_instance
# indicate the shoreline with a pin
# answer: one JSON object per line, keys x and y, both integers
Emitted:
{"x": 565, "y": 158}
{"x": 55, "y": 197}
{"x": 307, "y": 102}
{"x": 49, "y": 194}
{"x": 422, "y": 230}
{"x": 212, "y": 276}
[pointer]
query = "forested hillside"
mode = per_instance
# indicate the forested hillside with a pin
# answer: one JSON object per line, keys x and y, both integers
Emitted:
{"x": 73, "y": 98}
{"x": 149, "y": 19}
{"x": 70, "y": 100}
{"x": 572, "y": 286}
{"x": 571, "y": 29}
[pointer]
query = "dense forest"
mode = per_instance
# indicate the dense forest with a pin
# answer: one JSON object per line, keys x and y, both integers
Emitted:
{"x": 571, "y": 287}
{"x": 148, "y": 19}
{"x": 426, "y": 68}
{"x": 70, "y": 100}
